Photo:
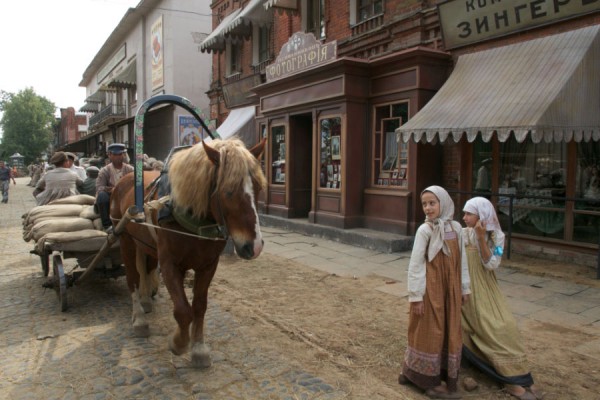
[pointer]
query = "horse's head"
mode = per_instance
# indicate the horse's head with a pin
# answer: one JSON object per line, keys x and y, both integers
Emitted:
{"x": 222, "y": 179}
{"x": 239, "y": 181}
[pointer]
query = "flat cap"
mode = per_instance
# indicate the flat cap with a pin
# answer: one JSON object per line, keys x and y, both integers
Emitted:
{"x": 92, "y": 169}
{"x": 58, "y": 158}
{"x": 71, "y": 155}
{"x": 116, "y": 148}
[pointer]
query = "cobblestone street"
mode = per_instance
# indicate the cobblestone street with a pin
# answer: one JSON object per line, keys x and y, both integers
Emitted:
{"x": 89, "y": 352}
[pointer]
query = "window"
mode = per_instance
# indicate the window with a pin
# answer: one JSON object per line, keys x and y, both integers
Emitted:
{"x": 368, "y": 9}
{"x": 315, "y": 17}
{"x": 278, "y": 152}
{"x": 587, "y": 187}
{"x": 534, "y": 173}
{"x": 261, "y": 44}
{"x": 233, "y": 56}
{"x": 331, "y": 153}
{"x": 390, "y": 158}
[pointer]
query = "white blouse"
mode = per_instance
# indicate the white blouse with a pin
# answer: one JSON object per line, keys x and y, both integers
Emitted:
{"x": 417, "y": 264}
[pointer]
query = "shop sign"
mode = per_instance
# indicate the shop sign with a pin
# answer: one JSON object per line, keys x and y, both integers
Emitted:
{"x": 301, "y": 52}
{"x": 470, "y": 21}
{"x": 237, "y": 93}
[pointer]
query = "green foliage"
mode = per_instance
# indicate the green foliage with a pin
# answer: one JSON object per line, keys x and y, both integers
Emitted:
{"x": 27, "y": 124}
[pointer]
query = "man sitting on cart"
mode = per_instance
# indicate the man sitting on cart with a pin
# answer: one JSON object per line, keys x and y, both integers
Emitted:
{"x": 108, "y": 177}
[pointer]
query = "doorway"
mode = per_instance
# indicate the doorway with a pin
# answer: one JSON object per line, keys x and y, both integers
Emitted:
{"x": 300, "y": 180}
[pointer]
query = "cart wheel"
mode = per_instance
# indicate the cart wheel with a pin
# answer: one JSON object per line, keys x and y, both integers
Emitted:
{"x": 60, "y": 281}
{"x": 45, "y": 259}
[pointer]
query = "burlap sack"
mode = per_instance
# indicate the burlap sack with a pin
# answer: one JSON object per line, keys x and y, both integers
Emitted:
{"x": 83, "y": 199}
{"x": 57, "y": 211}
{"x": 89, "y": 213}
{"x": 97, "y": 224}
{"x": 87, "y": 240}
{"x": 42, "y": 228}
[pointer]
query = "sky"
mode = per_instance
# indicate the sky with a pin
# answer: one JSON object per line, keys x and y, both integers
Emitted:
{"x": 49, "y": 44}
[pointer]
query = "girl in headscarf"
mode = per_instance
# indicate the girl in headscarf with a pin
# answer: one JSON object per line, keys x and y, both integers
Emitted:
{"x": 438, "y": 284}
{"x": 490, "y": 335}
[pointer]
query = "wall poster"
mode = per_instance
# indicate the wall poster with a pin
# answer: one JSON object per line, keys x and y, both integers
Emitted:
{"x": 156, "y": 49}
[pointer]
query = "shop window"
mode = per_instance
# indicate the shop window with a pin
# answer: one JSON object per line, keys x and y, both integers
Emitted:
{"x": 533, "y": 173}
{"x": 278, "y": 152}
{"x": 331, "y": 153}
{"x": 390, "y": 157}
{"x": 482, "y": 171}
{"x": 315, "y": 17}
{"x": 263, "y": 134}
{"x": 368, "y": 9}
{"x": 586, "y": 224}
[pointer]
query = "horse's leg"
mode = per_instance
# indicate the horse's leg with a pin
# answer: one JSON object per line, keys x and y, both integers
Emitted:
{"x": 145, "y": 288}
{"x": 202, "y": 279}
{"x": 129, "y": 257}
{"x": 182, "y": 311}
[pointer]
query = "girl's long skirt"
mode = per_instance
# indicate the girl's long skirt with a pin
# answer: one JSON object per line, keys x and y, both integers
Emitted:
{"x": 491, "y": 337}
{"x": 434, "y": 338}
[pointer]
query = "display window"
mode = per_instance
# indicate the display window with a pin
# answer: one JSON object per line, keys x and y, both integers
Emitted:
{"x": 278, "y": 152}
{"x": 390, "y": 157}
{"x": 331, "y": 153}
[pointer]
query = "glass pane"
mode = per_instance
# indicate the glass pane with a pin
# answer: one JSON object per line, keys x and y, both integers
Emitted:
{"x": 378, "y": 7}
{"x": 400, "y": 111}
{"x": 278, "y": 152}
{"x": 331, "y": 149}
{"x": 482, "y": 166}
{"x": 587, "y": 189}
{"x": 587, "y": 228}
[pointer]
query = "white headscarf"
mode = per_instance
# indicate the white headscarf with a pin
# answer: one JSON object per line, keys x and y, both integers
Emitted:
{"x": 436, "y": 243}
{"x": 486, "y": 212}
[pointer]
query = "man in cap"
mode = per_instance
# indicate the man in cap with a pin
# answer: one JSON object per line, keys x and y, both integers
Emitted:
{"x": 108, "y": 177}
{"x": 79, "y": 171}
{"x": 6, "y": 174}
{"x": 89, "y": 185}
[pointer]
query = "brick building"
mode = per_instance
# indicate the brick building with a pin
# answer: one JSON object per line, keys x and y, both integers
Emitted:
{"x": 71, "y": 129}
{"x": 330, "y": 83}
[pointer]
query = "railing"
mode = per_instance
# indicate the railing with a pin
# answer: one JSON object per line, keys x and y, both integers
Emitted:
{"x": 111, "y": 110}
{"x": 261, "y": 66}
{"x": 367, "y": 25}
{"x": 509, "y": 199}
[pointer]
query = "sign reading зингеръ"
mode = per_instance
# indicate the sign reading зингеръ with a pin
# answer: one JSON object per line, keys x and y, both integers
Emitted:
{"x": 302, "y": 51}
{"x": 469, "y": 21}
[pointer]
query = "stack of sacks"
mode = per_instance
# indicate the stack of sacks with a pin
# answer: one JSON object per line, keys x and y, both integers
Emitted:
{"x": 70, "y": 219}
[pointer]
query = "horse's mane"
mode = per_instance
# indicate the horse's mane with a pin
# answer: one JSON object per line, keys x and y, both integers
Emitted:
{"x": 192, "y": 174}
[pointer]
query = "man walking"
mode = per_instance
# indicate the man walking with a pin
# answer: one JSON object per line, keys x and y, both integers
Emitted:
{"x": 6, "y": 174}
{"x": 108, "y": 177}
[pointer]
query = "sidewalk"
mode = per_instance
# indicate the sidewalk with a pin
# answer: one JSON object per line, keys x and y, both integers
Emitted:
{"x": 542, "y": 299}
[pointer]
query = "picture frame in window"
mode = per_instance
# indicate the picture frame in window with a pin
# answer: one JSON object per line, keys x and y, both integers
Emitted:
{"x": 395, "y": 174}
{"x": 389, "y": 163}
{"x": 335, "y": 148}
{"x": 380, "y": 181}
{"x": 402, "y": 173}
{"x": 329, "y": 172}
{"x": 386, "y": 182}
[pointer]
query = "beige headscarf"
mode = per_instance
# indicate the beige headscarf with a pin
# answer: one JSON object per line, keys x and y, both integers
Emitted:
{"x": 486, "y": 212}
{"x": 436, "y": 243}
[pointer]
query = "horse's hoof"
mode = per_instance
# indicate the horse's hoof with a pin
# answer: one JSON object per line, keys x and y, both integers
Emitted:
{"x": 177, "y": 350}
{"x": 147, "y": 306}
{"x": 201, "y": 360}
{"x": 201, "y": 356}
{"x": 141, "y": 330}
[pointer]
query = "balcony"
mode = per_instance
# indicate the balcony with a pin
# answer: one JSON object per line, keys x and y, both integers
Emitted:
{"x": 110, "y": 113}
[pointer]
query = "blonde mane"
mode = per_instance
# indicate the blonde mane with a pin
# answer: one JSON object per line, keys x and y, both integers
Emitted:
{"x": 192, "y": 174}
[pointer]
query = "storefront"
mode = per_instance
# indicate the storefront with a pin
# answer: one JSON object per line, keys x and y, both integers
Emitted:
{"x": 519, "y": 122}
{"x": 333, "y": 157}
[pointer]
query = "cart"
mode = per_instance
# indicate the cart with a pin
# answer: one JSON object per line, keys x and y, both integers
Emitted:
{"x": 92, "y": 259}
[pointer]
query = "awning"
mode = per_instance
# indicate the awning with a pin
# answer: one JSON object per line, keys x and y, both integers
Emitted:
{"x": 89, "y": 107}
{"x": 288, "y": 4}
{"x": 253, "y": 13}
{"x": 126, "y": 78}
{"x": 546, "y": 88}
{"x": 97, "y": 97}
{"x": 239, "y": 123}
{"x": 216, "y": 40}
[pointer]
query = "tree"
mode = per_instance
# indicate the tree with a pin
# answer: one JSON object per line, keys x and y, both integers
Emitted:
{"x": 27, "y": 123}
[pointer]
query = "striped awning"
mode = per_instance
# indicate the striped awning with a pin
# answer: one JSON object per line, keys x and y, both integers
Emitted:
{"x": 287, "y": 4}
{"x": 253, "y": 13}
{"x": 547, "y": 89}
{"x": 216, "y": 40}
{"x": 89, "y": 107}
{"x": 126, "y": 78}
{"x": 97, "y": 97}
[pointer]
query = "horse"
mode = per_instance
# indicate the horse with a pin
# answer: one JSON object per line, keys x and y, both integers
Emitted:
{"x": 218, "y": 183}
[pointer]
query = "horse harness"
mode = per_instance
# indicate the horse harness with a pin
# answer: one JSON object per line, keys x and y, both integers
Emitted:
{"x": 206, "y": 228}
